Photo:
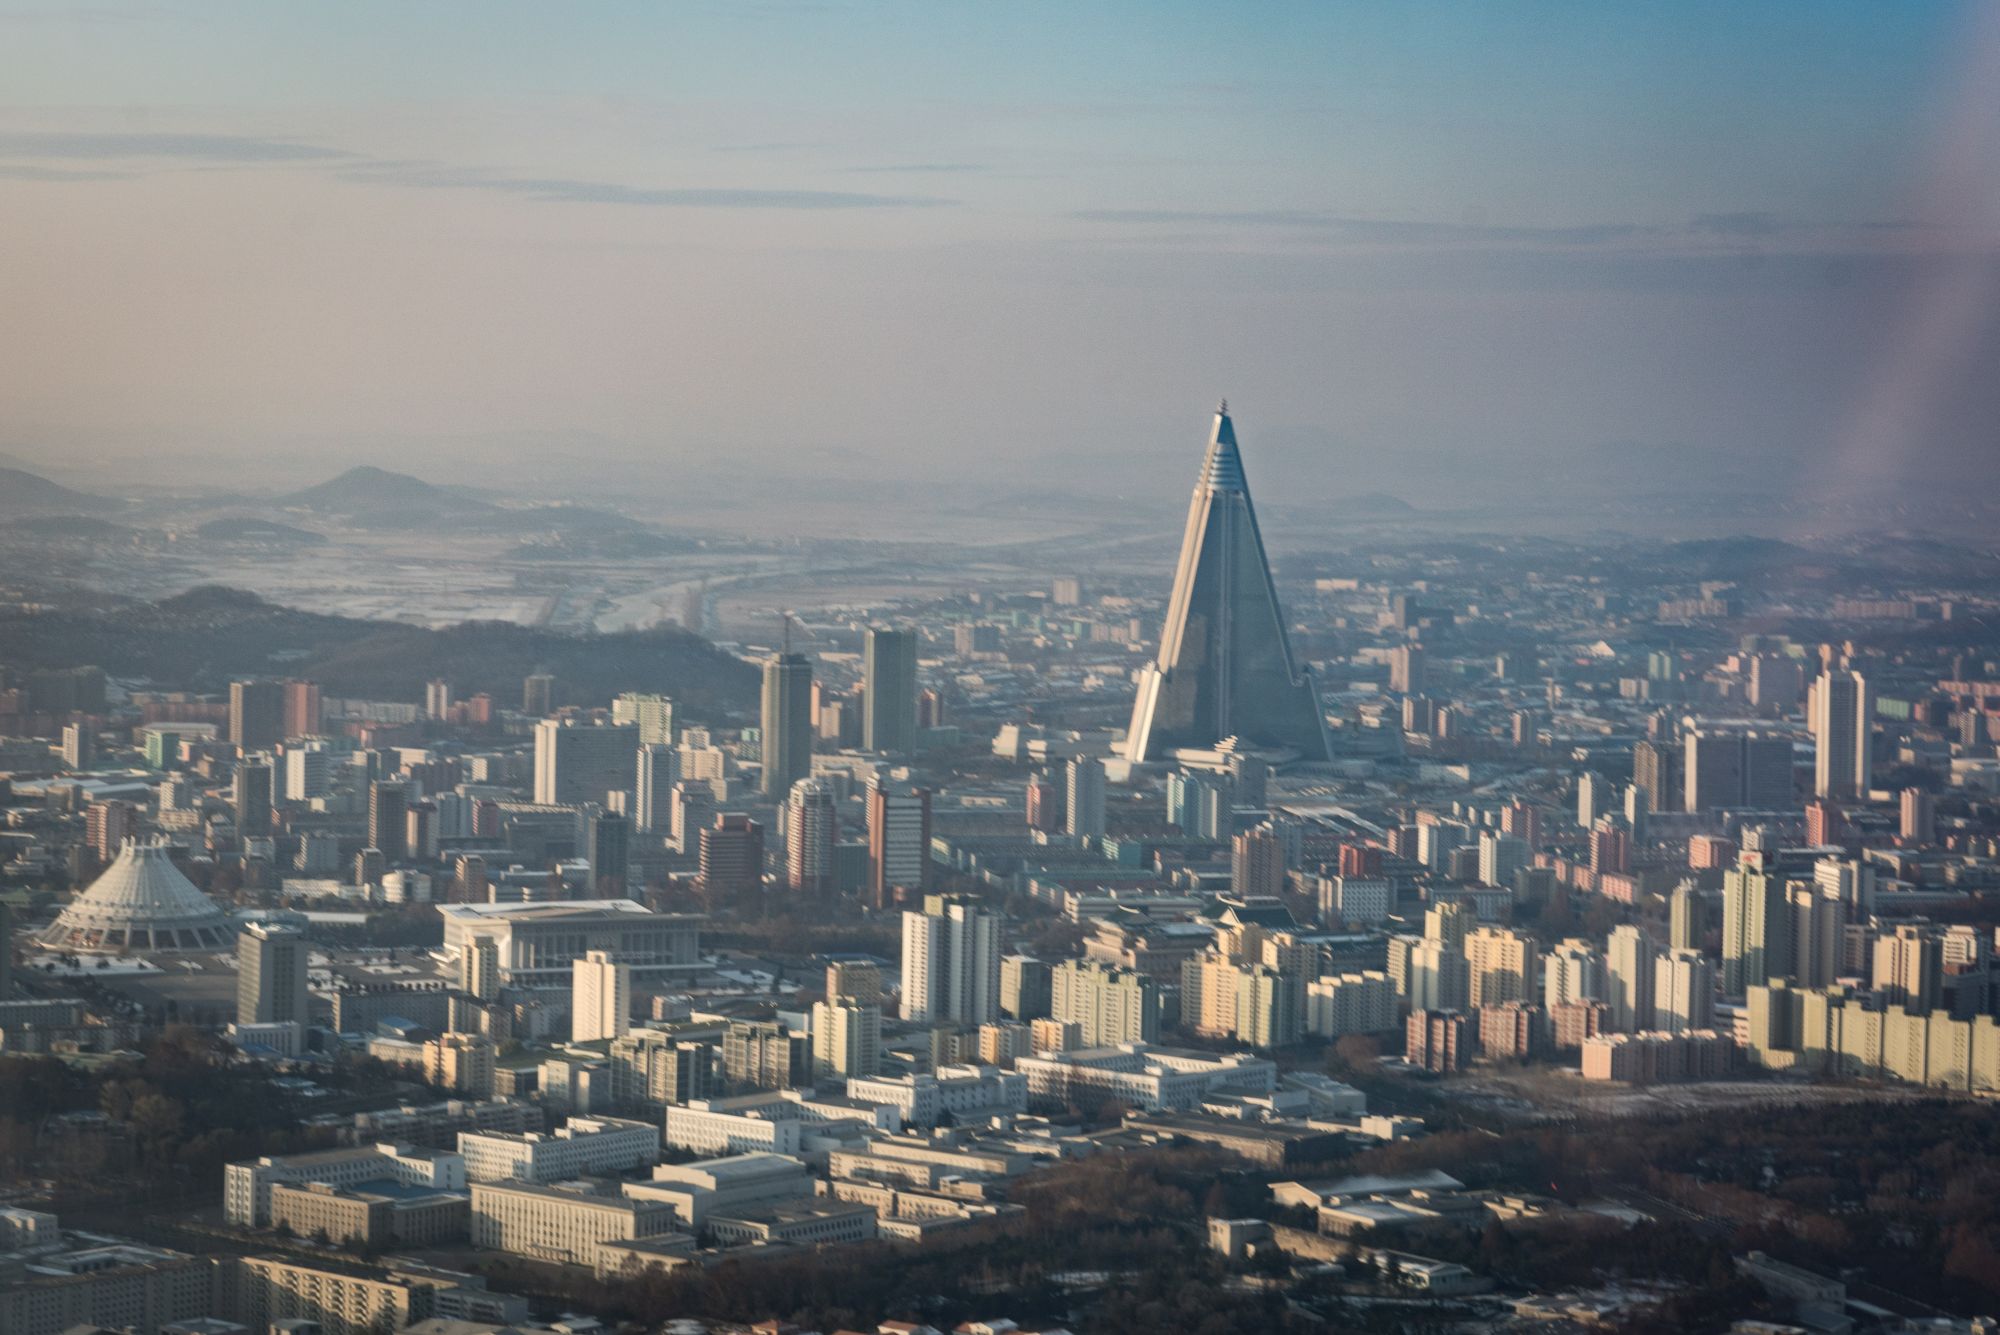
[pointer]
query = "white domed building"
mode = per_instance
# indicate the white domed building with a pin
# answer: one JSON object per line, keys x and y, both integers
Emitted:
{"x": 141, "y": 905}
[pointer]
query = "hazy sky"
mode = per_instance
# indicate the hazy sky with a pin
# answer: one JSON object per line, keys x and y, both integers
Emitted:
{"x": 1414, "y": 244}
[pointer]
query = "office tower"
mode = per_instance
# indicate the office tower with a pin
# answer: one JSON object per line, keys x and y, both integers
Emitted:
{"x": 1225, "y": 666}
{"x": 479, "y": 968}
{"x": 1628, "y": 971}
{"x": 1027, "y": 988}
{"x": 1086, "y": 797}
{"x": 1735, "y": 767}
{"x": 1109, "y": 1005}
{"x": 899, "y": 841}
{"x": 1573, "y": 973}
{"x": 79, "y": 746}
{"x": 1406, "y": 669}
{"x": 250, "y": 798}
{"x": 1656, "y": 772}
{"x": 1066, "y": 591}
{"x": 1257, "y": 864}
{"x": 578, "y": 762}
{"x": 889, "y": 691}
{"x": 302, "y": 712}
{"x": 1843, "y": 718}
{"x": 538, "y": 694}
{"x": 763, "y": 1054}
{"x": 847, "y": 1038}
{"x": 658, "y": 771}
{"x": 652, "y": 715}
{"x": 437, "y": 699}
{"x": 1683, "y": 991}
{"x": 1448, "y": 924}
{"x": 811, "y": 826}
{"x": 1918, "y": 825}
{"x": 1909, "y": 968}
{"x": 388, "y": 824}
{"x": 787, "y": 723}
{"x": 308, "y": 770}
{"x": 1270, "y": 1006}
{"x": 1756, "y": 933}
{"x": 256, "y": 714}
{"x": 690, "y": 810}
{"x": 106, "y": 826}
{"x": 1501, "y": 966}
{"x": 1202, "y": 804}
{"x": 607, "y": 846}
{"x": 271, "y": 976}
{"x": 951, "y": 963}
{"x": 6, "y": 951}
{"x": 600, "y": 998}
{"x": 1500, "y": 856}
{"x": 1436, "y": 977}
{"x": 1687, "y": 917}
{"x": 1818, "y": 934}
{"x": 1593, "y": 798}
{"x": 732, "y": 856}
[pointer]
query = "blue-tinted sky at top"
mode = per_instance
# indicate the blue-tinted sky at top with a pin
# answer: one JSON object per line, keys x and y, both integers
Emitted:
{"x": 1415, "y": 244}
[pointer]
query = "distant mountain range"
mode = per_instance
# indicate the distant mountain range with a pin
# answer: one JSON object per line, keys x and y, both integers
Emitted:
{"x": 201, "y": 639}
{"x": 22, "y": 492}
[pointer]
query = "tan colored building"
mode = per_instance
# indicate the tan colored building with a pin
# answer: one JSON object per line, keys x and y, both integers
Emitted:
{"x": 117, "y": 1286}
{"x": 268, "y": 1289}
{"x": 462, "y": 1063}
{"x": 378, "y": 1214}
{"x": 560, "y": 1223}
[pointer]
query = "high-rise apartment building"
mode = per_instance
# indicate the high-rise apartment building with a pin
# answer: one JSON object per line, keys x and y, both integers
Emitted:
{"x": 787, "y": 723}
{"x": 1756, "y": 931}
{"x": 1725, "y": 766}
{"x": 652, "y": 715}
{"x": 308, "y": 771}
{"x": 659, "y": 770}
{"x": 538, "y": 694}
{"x": 607, "y": 847}
{"x": 812, "y": 826}
{"x": 1086, "y": 796}
{"x": 303, "y": 715}
{"x": 578, "y": 762}
{"x": 1909, "y": 968}
{"x": 889, "y": 691}
{"x": 1629, "y": 955}
{"x": 600, "y": 998}
{"x": 437, "y": 699}
{"x": 1687, "y": 917}
{"x": 1843, "y": 718}
{"x": 1027, "y": 988}
{"x": 847, "y": 1038}
{"x": 250, "y": 794}
{"x": 256, "y": 715}
{"x": 1202, "y": 804}
{"x": 1501, "y": 965}
{"x": 1109, "y": 1005}
{"x": 951, "y": 962}
{"x": 1257, "y": 864}
{"x": 271, "y": 976}
{"x": 479, "y": 968}
{"x": 1224, "y": 667}
{"x": 1683, "y": 991}
{"x": 1918, "y": 823}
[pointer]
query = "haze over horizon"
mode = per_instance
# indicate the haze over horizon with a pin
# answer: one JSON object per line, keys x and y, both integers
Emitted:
{"x": 1440, "y": 253}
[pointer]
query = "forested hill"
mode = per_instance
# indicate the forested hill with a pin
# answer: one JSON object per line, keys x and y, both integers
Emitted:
{"x": 201, "y": 639}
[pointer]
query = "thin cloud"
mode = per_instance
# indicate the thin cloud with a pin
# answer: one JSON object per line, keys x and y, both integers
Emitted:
{"x": 28, "y": 172}
{"x": 561, "y": 190}
{"x": 1739, "y": 224}
{"x": 82, "y": 145}
{"x": 920, "y": 167}
{"x": 1374, "y": 229}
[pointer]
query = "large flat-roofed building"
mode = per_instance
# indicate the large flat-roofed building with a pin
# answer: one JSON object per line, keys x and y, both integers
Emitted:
{"x": 961, "y": 1091}
{"x": 1155, "y": 1079}
{"x": 247, "y": 1185}
{"x": 584, "y": 1146}
{"x": 537, "y": 943}
{"x": 373, "y": 1214}
{"x": 438, "y": 1124}
{"x": 800, "y": 1223}
{"x": 119, "y": 1286}
{"x": 560, "y": 1223}
{"x": 734, "y": 1182}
